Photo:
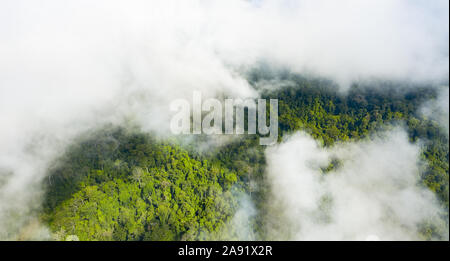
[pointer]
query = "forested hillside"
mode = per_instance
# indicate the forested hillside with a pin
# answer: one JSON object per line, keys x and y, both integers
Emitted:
{"x": 127, "y": 186}
{"x": 122, "y": 184}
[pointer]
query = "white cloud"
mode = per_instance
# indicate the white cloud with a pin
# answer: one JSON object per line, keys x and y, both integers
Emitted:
{"x": 67, "y": 66}
{"x": 374, "y": 193}
{"x": 438, "y": 109}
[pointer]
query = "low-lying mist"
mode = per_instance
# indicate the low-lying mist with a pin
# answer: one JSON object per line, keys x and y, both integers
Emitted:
{"x": 374, "y": 193}
{"x": 67, "y": 67}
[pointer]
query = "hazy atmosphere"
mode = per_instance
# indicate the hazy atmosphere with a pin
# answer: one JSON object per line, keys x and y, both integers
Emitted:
{"x": 68, "y": 68}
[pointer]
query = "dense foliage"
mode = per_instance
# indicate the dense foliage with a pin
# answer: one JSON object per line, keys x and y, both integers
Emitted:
{"x": 124, "y": 185}
{"x": 329, "y": 117}
{"x": 121, "y": 186}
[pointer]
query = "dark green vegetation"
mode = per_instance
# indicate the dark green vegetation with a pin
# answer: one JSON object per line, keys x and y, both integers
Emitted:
{"x": 127, "y": 186}
{"x": 118, "y": 184}
{"x": 330, "y": 117}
